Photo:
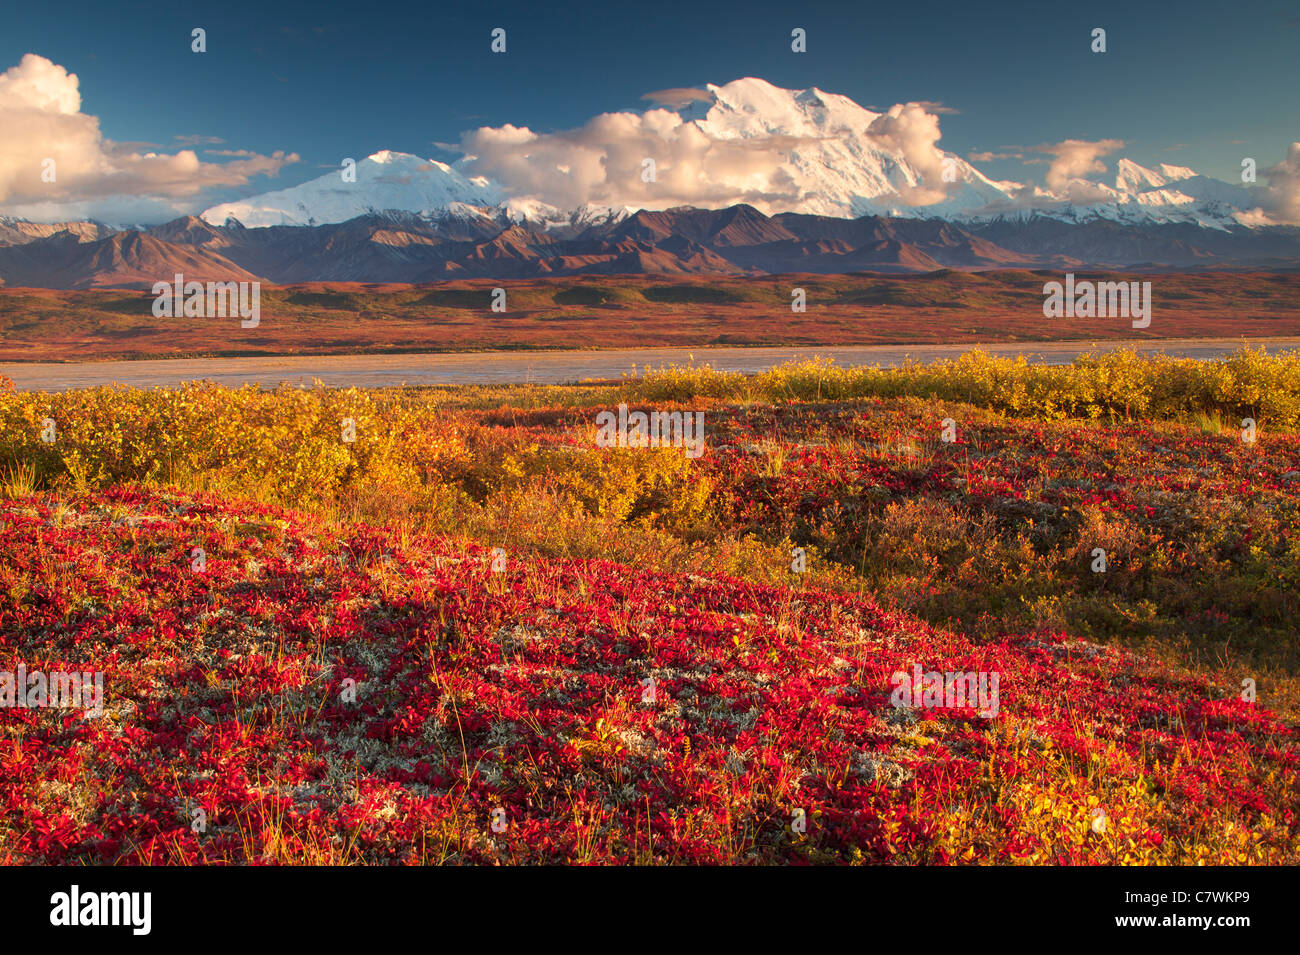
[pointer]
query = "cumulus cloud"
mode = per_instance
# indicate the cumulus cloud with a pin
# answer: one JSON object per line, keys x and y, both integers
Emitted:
{"x": 44, "y": 131}
{"x": 1282, "y": 197}
{"x": 603, "y": 161}
{"x": 1072, "y": 161}
{"x": 913, "y": 130}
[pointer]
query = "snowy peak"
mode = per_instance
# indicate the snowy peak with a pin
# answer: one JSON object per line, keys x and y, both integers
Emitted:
{"x": 384, "y": 180}
{"x": 844, "y": 160}
{"x": 1169, "y": 194}
{"x": 749, "y": 108}
{"x": 1130, "y": 177}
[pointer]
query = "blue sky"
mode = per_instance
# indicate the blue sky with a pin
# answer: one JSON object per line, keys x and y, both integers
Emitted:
{"x": 1190, "y": 83}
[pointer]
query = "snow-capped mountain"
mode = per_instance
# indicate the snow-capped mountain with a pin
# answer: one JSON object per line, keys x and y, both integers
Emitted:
{"x": 837, "y": 164}
{"x": 541, "y": 216}
{"x": 839, "y": 156}
{"x": 385, "y": 180}
{"x": 392, "y": 182}
{"x": 1173, "y": 195}
{"x": 830, "y": 156}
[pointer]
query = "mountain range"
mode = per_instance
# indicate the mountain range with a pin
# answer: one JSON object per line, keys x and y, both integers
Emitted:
{"x": 404, "y": 219}
{"x": 838, "y": 159}
{"x": 404, "y": 247}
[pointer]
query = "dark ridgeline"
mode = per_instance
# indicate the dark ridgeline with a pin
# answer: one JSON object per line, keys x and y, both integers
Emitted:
{"x": 402, "y": 247}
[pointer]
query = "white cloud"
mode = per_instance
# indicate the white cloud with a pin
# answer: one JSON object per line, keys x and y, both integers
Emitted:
{"x": 1282, "y": 197}
{"x": 912, "y": 130}
{"x": 1072, "y": 161}
{"x": 41, "y": 120}
{"x": 603, "y": 160}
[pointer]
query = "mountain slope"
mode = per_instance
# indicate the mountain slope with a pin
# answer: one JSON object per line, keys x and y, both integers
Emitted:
{"x": 123, "y": 260}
